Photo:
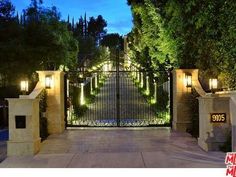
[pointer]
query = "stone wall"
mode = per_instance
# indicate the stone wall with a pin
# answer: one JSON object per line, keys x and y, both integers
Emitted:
{"x": 24, "y": 125}
{"x": 213, "y": 134}
{"x": 55, "y": 101}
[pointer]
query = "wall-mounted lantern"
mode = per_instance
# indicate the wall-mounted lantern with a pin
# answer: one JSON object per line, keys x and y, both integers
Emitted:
{"x": 48, "y": 82}
{"x": 188, "y": 80}
{"x": 213, "y": 84}
{"x": 24, "y": 86}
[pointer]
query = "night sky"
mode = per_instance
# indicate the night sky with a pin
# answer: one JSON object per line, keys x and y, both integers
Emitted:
{"x": 116, "y": 12}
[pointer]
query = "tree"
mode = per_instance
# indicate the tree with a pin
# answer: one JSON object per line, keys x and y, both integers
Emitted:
{"x": 112, "y": 40}
{"x": 39, "y": 40}
{"x": 7, "y": 10}
{"x": 96, "y": 28}
{"x": 191, "y": 34}
{"x": 9, "y": 41}
{"x": 49, "y": 40}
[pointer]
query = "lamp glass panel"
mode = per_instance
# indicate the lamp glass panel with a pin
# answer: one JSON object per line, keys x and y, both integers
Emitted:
{"x": 48, "y": 82}
{"x": 24, "y": 86}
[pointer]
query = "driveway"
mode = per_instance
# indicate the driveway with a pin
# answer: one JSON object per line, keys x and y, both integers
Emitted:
{"x": 120, "y": 148}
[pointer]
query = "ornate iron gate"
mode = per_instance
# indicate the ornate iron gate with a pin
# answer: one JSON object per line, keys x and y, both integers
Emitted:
{"x": 112, "y": 95}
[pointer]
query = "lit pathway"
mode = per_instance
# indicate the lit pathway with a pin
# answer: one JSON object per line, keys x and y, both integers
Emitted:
{"x": 134, "y": 110}
{"x": 120, "y": 147}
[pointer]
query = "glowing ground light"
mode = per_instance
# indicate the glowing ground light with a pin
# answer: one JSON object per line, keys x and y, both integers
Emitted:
{"x": 147, "y": 92}
{"x": 153, "y": 101}
{"x": 91, "y": 85}
{"x": 96, "y": 81}
{"x": 82, "y": 100}
{"x": 141, "y": 83}
{"x": 155, "y": 93}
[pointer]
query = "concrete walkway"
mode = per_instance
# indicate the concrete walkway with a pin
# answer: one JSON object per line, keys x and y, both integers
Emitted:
{"x": 127, "y": 148}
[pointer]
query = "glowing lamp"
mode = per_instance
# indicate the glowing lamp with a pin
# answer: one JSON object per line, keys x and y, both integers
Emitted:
{"x": 82, "y": 99}
{"x": 213, "y": 84}
{"x": 48, "y": 82}
{"x": 147, "y": 85}
{"x": 188, "y": 80}
{"x": 24, "y": 86}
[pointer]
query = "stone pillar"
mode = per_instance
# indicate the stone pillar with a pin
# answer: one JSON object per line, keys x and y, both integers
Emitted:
{"x": 213, "y": 134}
{"x": 23, "y": 127}
{"x": 182, "y": 99}
{"x": 55, "y": 101}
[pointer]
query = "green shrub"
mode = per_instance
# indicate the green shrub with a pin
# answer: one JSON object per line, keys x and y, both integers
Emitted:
{"x": 43, "y": 120}
{"x": 43, "y": 128}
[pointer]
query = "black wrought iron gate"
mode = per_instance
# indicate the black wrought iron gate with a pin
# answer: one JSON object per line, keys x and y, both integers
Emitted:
{"x": 115, "y": 95}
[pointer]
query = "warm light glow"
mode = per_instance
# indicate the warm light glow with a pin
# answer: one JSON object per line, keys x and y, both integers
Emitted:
{"x": 68, "y": 87}
{"x": 106, "y": 67}
{"x": 147, "y": 85}
{"x": 48, "y": 82}
{"x": 141, "y": 83}
{"x": 188, "y": 80}
{"x": 127, "y": 63}
{"x": 213, "y": 84}
{"x": 153, "y": 101}
{"x": 155, "y": 93}
{"x": 24, "y": 86}
{"x": 82, "y": 101}
{"x": 91, "y": 85}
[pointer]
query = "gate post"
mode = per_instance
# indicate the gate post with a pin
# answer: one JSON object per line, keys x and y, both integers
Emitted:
{"x": 54, "y": 83}
{"x": 181, "y": 98}
{"x": 213, "y": 133}
{"x": 23, "y": 127}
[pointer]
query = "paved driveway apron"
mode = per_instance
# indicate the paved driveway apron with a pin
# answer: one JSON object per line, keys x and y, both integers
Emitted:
{"x": 120, "y": 147}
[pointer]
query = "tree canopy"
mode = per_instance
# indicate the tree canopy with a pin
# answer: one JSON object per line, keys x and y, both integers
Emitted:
{"x": 37, "y": 39}
{"x": 112, "y": 40}
{"x": 187, "y": 34}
